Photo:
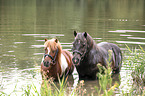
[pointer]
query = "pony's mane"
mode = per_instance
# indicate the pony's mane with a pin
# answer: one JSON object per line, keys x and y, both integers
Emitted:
{"x": 53, "y": 45}
{"x": 90, "y": 40}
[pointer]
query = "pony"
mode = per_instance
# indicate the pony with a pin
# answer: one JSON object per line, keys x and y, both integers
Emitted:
{"x": 87, "y": 55}
{"x": 56, "y": 62}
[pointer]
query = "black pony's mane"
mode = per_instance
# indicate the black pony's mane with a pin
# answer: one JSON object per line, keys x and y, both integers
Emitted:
{"x": 90, "y": 41}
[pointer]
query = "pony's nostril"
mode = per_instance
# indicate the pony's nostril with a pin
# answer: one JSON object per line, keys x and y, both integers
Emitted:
{"x": 75, "y": 60}
{"x": 46, "y": 64}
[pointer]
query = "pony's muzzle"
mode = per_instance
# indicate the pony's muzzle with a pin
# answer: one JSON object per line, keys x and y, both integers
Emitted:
{"x": 46, "y": 63}
{"x": 76, "y": 61}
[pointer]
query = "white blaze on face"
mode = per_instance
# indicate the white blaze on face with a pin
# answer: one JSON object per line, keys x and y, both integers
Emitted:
{"x": 48, "y": 50}
{"x": 46, "y": 53}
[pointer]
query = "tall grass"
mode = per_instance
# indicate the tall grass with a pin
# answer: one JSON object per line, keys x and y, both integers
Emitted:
{"x": 105, "y": 80}
{"x": 137, "y": 60}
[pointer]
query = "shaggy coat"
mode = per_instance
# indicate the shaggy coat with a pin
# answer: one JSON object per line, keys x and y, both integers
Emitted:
{"x": 87, "y": 55}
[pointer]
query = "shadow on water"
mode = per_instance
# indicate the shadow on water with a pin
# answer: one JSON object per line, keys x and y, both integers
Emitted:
{"x": 25, "y": 25}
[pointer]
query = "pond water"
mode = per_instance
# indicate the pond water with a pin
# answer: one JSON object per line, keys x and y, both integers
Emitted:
{"x": 24, "y": 24}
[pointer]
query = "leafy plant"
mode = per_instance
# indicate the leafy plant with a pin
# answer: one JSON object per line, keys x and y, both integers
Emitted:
{"x": 105, "y": 80}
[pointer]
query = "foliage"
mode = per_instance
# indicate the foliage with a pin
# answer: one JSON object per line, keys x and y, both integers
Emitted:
{"x": 105, "y": 80}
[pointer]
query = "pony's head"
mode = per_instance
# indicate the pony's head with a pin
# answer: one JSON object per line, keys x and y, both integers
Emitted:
{"x": 81, "y": 45}
{"x": 52, "y": 52}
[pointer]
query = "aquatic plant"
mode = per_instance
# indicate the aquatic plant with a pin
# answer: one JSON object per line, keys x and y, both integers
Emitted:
{"x": 105, "y": 81}
{"x": 137, "y": 60}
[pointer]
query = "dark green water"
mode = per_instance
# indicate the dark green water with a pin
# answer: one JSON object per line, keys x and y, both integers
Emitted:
{"x": 24, "y": 24}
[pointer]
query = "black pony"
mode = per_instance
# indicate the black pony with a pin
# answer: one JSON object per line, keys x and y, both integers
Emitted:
{"x": 87, "y": 54}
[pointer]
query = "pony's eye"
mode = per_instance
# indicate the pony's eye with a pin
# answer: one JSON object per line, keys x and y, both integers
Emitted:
{"x": 45, "y": 49}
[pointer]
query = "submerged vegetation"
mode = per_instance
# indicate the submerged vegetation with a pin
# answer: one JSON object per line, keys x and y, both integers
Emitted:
{"x": 135, "y": 60}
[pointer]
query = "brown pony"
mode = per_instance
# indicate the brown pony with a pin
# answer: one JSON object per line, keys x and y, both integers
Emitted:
{"x": 56, "y": 62}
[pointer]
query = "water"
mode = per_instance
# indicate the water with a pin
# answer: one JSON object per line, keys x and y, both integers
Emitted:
{"x": 24, "y": 24}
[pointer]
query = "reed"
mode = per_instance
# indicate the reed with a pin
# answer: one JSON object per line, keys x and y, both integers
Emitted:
{"x": 136, "y": 61}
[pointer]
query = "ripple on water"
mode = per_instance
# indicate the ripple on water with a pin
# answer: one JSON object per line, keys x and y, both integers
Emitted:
{"x": 19, "y": 42}
{"x": 37, "y": 46}
{"x": 131, "y": 42}
{"x": 124, "y": 31}
{"x": 43, "y": 35}
{"x": 136, "y": 38}
{"x": 125, "y": 35}
{"x": 10, "y": 51}
{"x": 38, "y": 53}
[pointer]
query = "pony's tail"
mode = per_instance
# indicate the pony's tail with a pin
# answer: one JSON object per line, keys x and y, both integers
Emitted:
{"x": 118, "y": 60}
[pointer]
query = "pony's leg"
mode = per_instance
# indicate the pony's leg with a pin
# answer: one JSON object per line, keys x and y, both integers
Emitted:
{"x": 93, "y": 76}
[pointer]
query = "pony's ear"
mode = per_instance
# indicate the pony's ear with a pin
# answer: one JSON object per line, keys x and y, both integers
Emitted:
{"x": 56, "y": 40}
{"x": 85, "y": 34}
{"x": 75, "y": 33}
{"x": 45, "y": 39}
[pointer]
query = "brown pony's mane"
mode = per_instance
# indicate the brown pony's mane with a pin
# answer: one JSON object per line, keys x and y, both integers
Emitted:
{"x": 53, "y": 44}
